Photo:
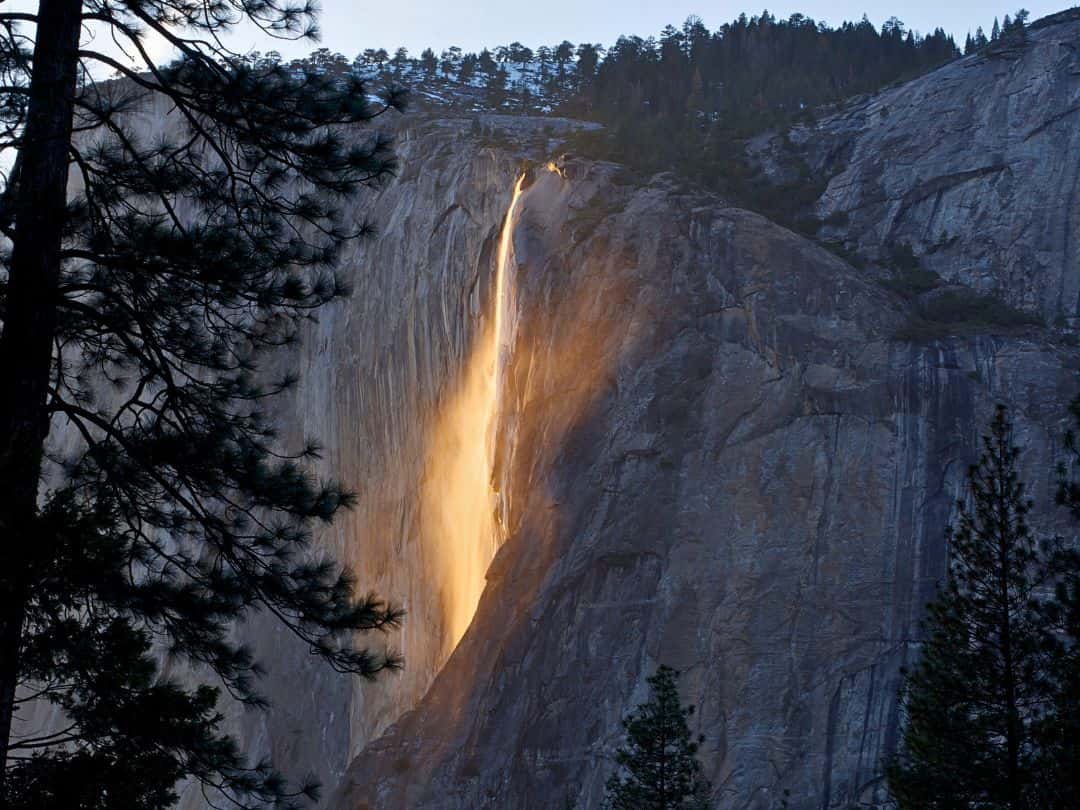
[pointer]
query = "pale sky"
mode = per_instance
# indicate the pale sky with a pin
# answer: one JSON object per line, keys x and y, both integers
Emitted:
{"x": 349, "y": 26}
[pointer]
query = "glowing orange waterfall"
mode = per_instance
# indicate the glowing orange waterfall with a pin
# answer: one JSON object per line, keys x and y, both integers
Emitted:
{"x": 461, "y": 532}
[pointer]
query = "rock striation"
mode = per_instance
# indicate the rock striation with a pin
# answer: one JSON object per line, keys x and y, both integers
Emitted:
{"x": 718, "y": 457}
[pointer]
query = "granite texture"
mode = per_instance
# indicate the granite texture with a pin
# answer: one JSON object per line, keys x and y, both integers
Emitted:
{"x": 974, "y": 166}
{"x": 717, "y": 456}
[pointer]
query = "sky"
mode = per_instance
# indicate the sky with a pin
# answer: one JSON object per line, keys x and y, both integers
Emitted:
{"x": 349, "y": 26}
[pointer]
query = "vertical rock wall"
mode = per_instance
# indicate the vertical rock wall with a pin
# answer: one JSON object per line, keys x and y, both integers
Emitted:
{"x": 974, "y": 166}
{"x": 376, "y": 372}
{"x": 717, "y": 456}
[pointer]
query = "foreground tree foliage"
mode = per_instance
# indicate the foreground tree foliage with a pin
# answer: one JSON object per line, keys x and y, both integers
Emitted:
{"x": 145, "y": 504}
{"x": 990, "y": 708}
{"x": 658, "y": 767}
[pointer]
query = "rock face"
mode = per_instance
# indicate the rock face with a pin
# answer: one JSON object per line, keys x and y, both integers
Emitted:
{"x": 707, "y": 446}
{"x": 717, "y": 458}
{"x": 375, "y": 375}
{"x": 974, "y": 166}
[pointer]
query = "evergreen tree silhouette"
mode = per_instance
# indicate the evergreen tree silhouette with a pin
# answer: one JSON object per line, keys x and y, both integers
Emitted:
{"x": 974, "y": 702}
{"x": 137, "y": 304}
{"x": 658, "y": 767}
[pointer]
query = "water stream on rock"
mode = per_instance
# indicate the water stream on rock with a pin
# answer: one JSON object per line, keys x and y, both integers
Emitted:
{"x": 459, "y": 495}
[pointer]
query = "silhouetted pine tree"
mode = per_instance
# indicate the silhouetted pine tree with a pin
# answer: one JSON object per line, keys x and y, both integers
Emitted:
{"x": 1059, "y": 734}
{"x": 429, "y": 63}
{"x": 658, "y": 767}
{"x": 136, "y": 305}
{"x": 973, "y": 703}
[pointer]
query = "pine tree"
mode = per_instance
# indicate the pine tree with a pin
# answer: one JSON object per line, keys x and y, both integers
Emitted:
{"x": 974, "y": 701}
{"x": 400, "y": 61}
{"x": 495, "y": 87}
{"x": 1015, "y": 30}
{"x": 564, "y": 52}
{"x": 658, "y": 767}
{"x": 428, "y": 62}
{"x": 1059, "y": 734}
{"x": 136, "y": 306}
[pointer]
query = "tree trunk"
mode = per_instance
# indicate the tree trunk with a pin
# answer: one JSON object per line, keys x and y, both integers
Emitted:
{"x": 1012, "y": 720}
{"x": 30, "y": 323}
{"x": 1006, "y": 541}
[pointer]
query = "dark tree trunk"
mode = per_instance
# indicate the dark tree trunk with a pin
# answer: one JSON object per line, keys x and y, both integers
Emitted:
{"x": 30, "y": 322}
{"x": 1006, "y": 540}
{"x": 1012, "y": 720}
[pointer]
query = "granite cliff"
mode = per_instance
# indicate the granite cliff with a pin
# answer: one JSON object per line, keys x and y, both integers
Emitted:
{"x": 973, "y": 166}
{"x": 679, "y": 433}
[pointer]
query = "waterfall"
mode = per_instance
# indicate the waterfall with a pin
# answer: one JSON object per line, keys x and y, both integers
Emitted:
{"x": 462, "y": 532}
